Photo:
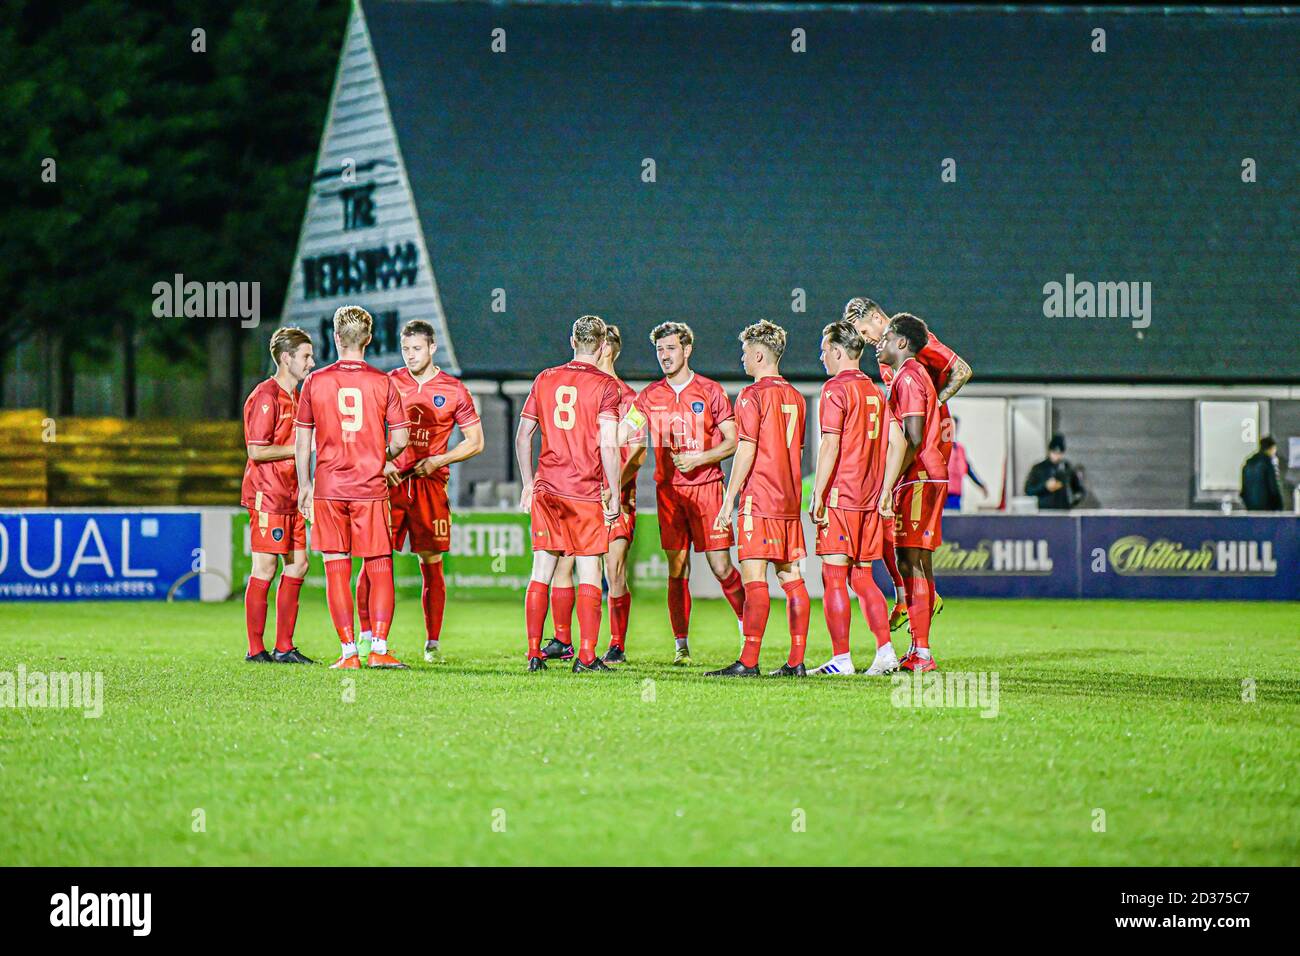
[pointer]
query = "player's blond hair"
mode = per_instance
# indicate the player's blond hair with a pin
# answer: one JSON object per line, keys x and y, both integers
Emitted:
{"x": 418, "y": 327}
{"x": 679, "y": 329}
{"x": 845, "y": 334}
{"x": 286, "y": 339}
{"x": 859, "y": 307}
{"x": 767, "y": 334}
{"x": 353, "y": 325}
{"x": 589, "y": 333}
{"x": 615, "y": 339}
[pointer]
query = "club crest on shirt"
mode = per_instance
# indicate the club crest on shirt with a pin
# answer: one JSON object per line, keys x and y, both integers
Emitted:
{"x": 439, "y": 401}
{"x": 697, "y": 407}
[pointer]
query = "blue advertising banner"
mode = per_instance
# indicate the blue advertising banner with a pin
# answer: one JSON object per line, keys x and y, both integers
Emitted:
{"x": 98, "y": 555}
{"x": 1238, "y": 557}
{"x": 1007, "y": 556}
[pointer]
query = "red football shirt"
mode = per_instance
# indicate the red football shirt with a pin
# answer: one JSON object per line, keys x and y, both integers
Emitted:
{"x": 626, "y": 398}
{"x": 349, "y": 403}
{"x": 911, "y": 394}
{"x": 936, "y": 358}
{"x": 685, "y": 420}
{"x": 434, "y": 408}
{"x": 270, "y": 486}
{"x": 853, "y": 407}
{"x": 770, "y": 413}
{"x": 568, "y": 402}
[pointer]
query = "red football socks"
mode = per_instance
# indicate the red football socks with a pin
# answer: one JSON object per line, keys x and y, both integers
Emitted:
{"x": 255, "y": 613}
{"x": 797, "y": 610}
{"x": 535, "y": 604}
{"x": 433, "y": 598}
{"x": 588, "y": 621}
{"x": 562, "y": 613}
{"x": 734, "y": 590}
{"x": 286, "y": 611}
{"x": 620, "y": 609}
{"x": 873, "y": 605}
{"x": 757, "y": 606}
{"x": 835, "y": 604}
{"x": 363, "y": 597}
{"x": 919, "y": 603}
{"x": 338, "y": 597}
{"x": 379, "y": 572}
{"x": 679, "y": 606}
{"x": 891, "y": 565}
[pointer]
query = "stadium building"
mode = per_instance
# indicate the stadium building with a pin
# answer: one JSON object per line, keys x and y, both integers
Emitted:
{"x": 499, "y": 169}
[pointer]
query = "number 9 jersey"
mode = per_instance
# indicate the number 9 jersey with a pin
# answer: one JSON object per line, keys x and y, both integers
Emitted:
{"x": 349, "y": 403}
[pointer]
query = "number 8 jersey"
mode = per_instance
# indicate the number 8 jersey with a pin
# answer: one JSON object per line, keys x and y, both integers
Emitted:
{"x": 567, "y": 402}
{"x": 349, "y": 403}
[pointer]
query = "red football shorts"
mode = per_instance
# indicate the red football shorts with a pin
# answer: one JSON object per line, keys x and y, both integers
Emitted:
{"x": 624, "y": 527}
{"x": 858, "y": 534}
{"x": 421, "y": 515}
{"x": 277, "y": 534}
{"x": 686, "y": 515}
{"x": 772, "y": 539}
{"x": 359, "y": 528}
{"x": 918, "y": 506}
{"x": 573, "y": 526}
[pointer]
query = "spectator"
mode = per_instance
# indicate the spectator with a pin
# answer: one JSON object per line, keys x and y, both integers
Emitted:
{"x": 1261, "y": 483}
{"x": 959, "y": 468}
{"x": 1054, "y": 481}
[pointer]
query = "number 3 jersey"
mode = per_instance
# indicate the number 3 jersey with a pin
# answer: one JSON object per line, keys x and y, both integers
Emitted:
{"x": 852, "y": 407}
{"x": 568, "y": 402}
{"x": 349, "y": 403}
{"x": 770, "y": 413}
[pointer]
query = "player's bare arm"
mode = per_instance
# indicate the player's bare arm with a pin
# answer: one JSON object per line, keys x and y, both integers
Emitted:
{"x": 745, "y": 452}
{"x": 959, "y": 375}
{"x": 524, "y": 460}
{"x": 827, "y": 455}
{"x": 398, "y": 439}
{"x": 471, "y": 444}
{"x": 302, "y": 462}
{"x": 612, "y": 464}
{"x": 632, "y": 466}
{"x": 269, "y": 452}
{"x": 689, "y": 461}
{"x": 904, "y": 440}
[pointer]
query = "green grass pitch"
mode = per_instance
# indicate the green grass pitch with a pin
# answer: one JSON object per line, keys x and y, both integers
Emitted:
{"x": 1131, "y": 710}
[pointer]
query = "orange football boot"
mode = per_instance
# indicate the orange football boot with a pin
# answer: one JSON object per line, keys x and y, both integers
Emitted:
{"x": 350, "y": 663}
{"x": 385, "y": 660}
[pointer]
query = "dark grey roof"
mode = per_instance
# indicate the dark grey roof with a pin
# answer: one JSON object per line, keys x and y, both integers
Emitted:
{"x": 821, "y": 171}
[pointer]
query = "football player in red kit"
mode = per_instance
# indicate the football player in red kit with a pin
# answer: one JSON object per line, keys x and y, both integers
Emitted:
{"x": 435, "y": 403}
{"x": 766, "y": 476}
{"x": 345, "y": 407}
{"x": 948, "y": 372}
{"x": 620, "y": 538}
{"x": 571, "y": 499}
{"x": 916, "y": 477}
{"x": 688, "y": 421}
{"x": 850, "y": 467}
{"x": 270, "y": 493}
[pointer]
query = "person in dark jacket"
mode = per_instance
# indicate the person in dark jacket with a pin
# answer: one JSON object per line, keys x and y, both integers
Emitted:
{"x": 1054, "y": 481}
{"x": 1261, "y": 485}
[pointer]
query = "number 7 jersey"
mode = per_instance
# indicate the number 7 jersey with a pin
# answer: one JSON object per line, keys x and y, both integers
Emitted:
{"x": 349, "y": 403}
{"x": 568, "y": 402}
{"x": 770, "y": 413}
